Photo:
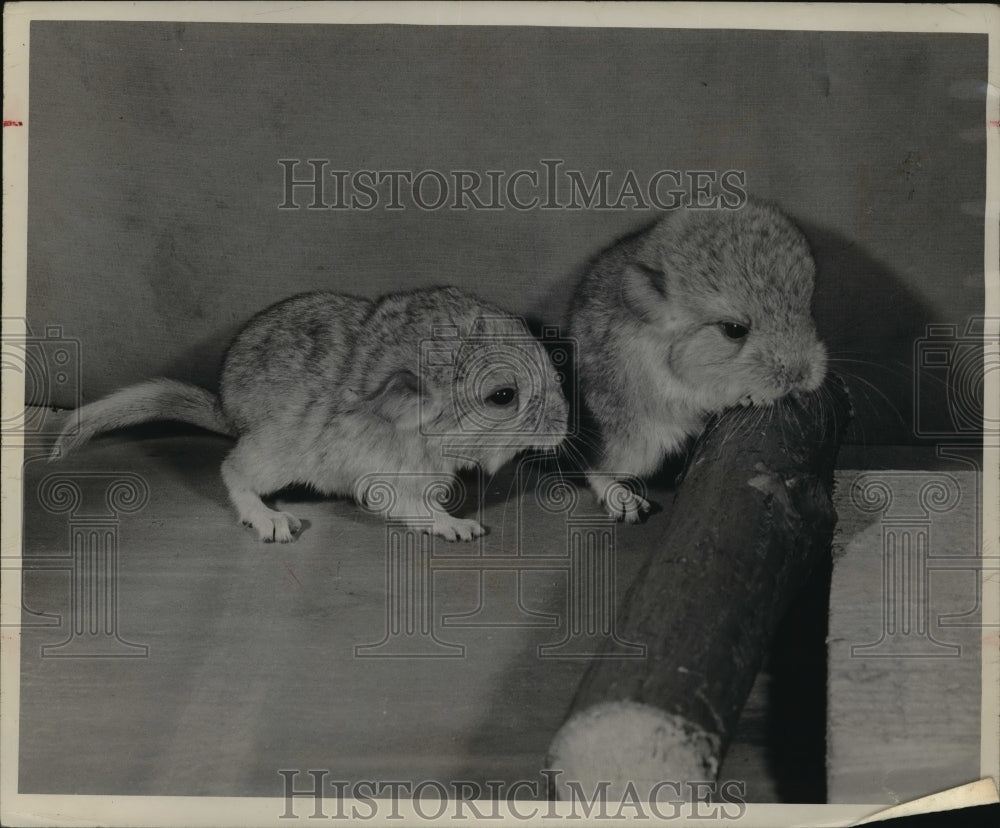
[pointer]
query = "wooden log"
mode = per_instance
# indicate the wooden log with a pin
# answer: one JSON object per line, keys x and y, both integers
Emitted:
{"x": 750, "y": 520}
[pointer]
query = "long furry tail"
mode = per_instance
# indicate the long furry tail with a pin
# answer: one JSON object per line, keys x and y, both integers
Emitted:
{"x": 160, "y": 399}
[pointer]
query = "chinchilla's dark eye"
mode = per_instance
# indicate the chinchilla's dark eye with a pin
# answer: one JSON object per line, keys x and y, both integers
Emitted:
{"x": 734, "y": 330}
{"x": 503, "y": 396}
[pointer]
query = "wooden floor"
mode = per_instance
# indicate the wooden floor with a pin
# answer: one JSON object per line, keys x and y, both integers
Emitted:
{"x": 230, "y": 660}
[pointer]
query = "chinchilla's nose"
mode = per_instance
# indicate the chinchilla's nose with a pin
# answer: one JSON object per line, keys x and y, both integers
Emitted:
{"x": 796, "y": 375}
{"x": 805, "y": 365}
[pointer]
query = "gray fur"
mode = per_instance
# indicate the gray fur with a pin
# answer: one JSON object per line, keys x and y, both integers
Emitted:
{"x": 159, "y": 399}
{"x": 653, "y": 360}
{"x": 331, "y": 391}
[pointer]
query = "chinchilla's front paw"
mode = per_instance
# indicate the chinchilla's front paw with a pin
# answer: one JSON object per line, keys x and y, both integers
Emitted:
{"x": 625, "y": 505}
{"x": 618, "y": 500}
{"x": 456, "y": 529}
{"x": 274, "y": 527}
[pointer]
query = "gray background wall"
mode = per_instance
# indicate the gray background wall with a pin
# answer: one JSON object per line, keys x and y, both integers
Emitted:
{"x": 154, "y": 228}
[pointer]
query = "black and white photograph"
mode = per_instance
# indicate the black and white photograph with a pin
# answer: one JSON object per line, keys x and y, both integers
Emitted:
{"x": 482, "y": 412}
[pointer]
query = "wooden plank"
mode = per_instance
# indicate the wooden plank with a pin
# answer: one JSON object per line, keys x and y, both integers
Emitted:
{"x": 251, "y": 665}
{"x": 904, "y": 635}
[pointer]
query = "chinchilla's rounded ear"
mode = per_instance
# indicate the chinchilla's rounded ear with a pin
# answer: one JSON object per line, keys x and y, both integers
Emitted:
{"x": 402, "y": 399}
{"x": 643, "y": 291}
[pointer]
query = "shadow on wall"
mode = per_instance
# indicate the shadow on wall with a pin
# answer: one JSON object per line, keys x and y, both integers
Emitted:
{"x": 871, "y": 322}
{"x": 201, "y": 363}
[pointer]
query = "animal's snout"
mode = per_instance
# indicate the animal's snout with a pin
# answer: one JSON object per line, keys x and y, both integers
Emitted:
{"x": 800, "y": 375}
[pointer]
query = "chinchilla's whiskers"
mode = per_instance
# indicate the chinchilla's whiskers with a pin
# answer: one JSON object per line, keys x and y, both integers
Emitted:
{"x": 732, "y": 430}
{"x": 865, "y": 386}
{"x": 568, "y": 451}
{"x": 817, "y": 403}
{"x": 830, "y": 409}
{"x": 574, "y": 454}
{"x": 506, "y": 500}
{"x": 891, "y": 366}
{"x": 587, "y": 436}
{"x": 856, "y": 395}
{"x": 587, "y": 431}
{"x": 764, "y": 417}
{"x": 895, "y": 368}
{"x": 790, "y": 428}
{"x": 562, "y": 476}
{"x": 581, "y": 451}
{"x": 487, "y": 485}
{"x": 583, "y": 440}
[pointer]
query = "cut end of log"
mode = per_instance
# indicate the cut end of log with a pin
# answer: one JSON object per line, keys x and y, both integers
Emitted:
{"x": 628, "y": 748}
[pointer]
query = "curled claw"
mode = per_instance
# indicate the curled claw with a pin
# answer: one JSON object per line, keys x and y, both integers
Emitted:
{"x": 635, "y": 509}
{"x": 625, "y": 505}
